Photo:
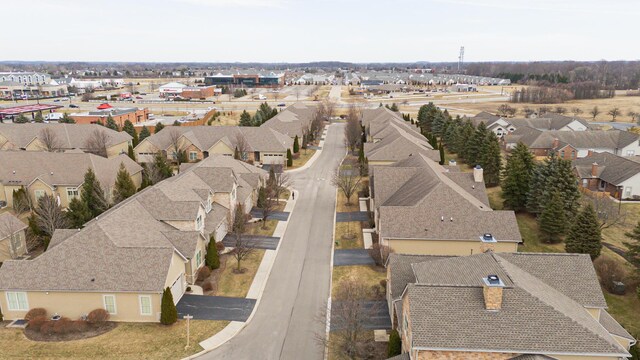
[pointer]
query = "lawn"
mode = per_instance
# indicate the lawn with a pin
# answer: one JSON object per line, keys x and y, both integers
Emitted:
{"x": 304, "y": 156}
{"x": 369, "y": 275}
{"x": 237, "y": 285}
{"x": 256, "y": 228}
{"x": 341, "y": 201}
{"x": 126, "y": 341}
{"x": 353, "y": 227}
{"x": 625, "y": 309}
{"x": 616, "y": 234}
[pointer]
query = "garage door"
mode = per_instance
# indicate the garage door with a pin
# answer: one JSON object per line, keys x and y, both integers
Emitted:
{"x": 272, "y": 158}
{"x": 177, "y": 289}
{"x": 221, "y": 232}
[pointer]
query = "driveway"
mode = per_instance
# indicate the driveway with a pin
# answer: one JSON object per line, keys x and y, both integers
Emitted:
{"x": 352, "y": 216}
{"x": 285, "y": 324}
{"x": 376, "y": 311}
{"x": 253, "y": 241}
{"x": 348, "y": 257}
{"x": 203, "y": 307}
{"x": 276, "y": 215}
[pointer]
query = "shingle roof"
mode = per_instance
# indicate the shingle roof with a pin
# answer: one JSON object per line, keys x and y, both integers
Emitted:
{"x": 68, "y": 136}
{"x": 447, "y": 307}
{"x": 613, "y": 327}
{"x": 612, "y": 168}
{"x": 589, "y": 139}
{"x": 294, "y": 120}
{"x": 401, "y": 271}
{"x": 9, "y": 225}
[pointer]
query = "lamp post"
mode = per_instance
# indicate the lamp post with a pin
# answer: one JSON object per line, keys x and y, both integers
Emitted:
{"x": 187, "y": 317}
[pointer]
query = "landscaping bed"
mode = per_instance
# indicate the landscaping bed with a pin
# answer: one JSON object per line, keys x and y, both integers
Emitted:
{"x": 92, "y": 330}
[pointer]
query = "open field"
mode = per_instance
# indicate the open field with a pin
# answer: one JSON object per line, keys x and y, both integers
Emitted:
{"x": 126, "y": 341}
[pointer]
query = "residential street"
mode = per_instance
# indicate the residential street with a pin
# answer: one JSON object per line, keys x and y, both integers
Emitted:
{"x": 286, "y": 323}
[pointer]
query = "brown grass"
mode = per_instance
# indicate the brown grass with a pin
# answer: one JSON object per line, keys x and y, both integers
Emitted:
{"x": 126, "y": 341}
{"x": 304, "y": 156}
{"x": 237, "y": 285}
{"x": 369, "y": 275}
{"x": 256, "y": 228}
{"x": 616, "y": 234}
{"x": 356, "y": 240}
{"x": 341, "y": 202}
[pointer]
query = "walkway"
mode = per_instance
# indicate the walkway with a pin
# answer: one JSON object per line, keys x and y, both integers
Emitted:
{"x": 253, "y": 241}
{"x": 377, "y": 315}
{"x": 275, "y": 215}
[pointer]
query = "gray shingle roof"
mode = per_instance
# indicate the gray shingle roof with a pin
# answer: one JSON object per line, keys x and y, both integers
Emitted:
{"x": 69, "y": 136}
{"x": 9, "y": 225}
{"x": 613, "y": 327}
{"x": 611, "y": 168}
{"x": 401, "y": 271}
{"x": 590, "y": 139}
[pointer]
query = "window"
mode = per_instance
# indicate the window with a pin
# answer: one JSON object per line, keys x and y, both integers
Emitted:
{"x": 603, "y": 184}
{"x": 627, "y": 192}
{"x": 585, "y": 183}
{"x": 72, "y": 193}
{"x": 631, "y": 153}
{"x": 573, "y": 154}
{"x": 193, "y": 156}
{"x": 199, "y": 222}
{"x": 39, "y": 194}
{"x": 561, "y": 154}
{"x": 109, "y": 303}
{"x": 198, "y": 258}
{"x": 17, "y": 301}
{"x": 145, "y": 305}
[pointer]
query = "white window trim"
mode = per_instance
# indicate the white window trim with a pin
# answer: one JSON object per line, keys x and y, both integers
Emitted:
{"x": 15, "y": 293}
{"x": 36, "y": 192}
{"x": 115, "y": 305}
{"x": 150, "y": 305}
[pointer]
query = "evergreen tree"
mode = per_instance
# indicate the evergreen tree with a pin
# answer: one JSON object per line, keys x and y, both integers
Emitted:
{"x": 144, "y": 133}
{"x": 162, "y": 166}
{"x": 257, "y": 119}
{"x": 394, "y": 107}
{"x": 159, "y": 126}
{"x": 554, "y": 174}
{"x": 78, "y": 213}
{"x": 473, "y": 151}
{"x": 213, "y": 258}
{"x": 38, "y": 118}
{"x": 21, "y": 119}
{"x": 438, "y": 124}
{"x": 168, "y": 311}
{"x": 289, "y": 158}
{"x": 245, "y": 119}
{"x": 394, "y": 347}
{"x": 129, "y": 129}
{"x": 66, "y": 119}
{"x": 296, "y": 145}
{"x": 584, "y": 236}
{"x": 491, "y": 160}
{"x": 177, "y": 123}
{"x": 441, "y": 149}
{"x": 304, "y": 141}
{"x": 124, "y": 186}
{"x": 93, "y": 195}
{"x": 236, "y": 154}
{"x": 517, "y": 175}
{"x": 131, "y": 153}
{"x": 552, "y": 220}
{"x": 111, "y": 124}
{"x": 262, "y": 197}
{"x": 633, "y": 246}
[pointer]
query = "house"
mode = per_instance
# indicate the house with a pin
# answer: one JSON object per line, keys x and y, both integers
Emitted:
{"x": 421, "y": 207}
{"x": 503, "y": 126}
{"x": 255, "y": 144}
{"x": 122, "y": 260}
{"x": 613, "y": 174}
{"x": 574, "y": 144}
{"x": 293, "y": 121}
{"x": 119, "y": 115}
{"x": 13, "y": 240}
{"x": 59, "y": 174}
{"x": 502, "y": 306}
{"x": 61, "y": 137}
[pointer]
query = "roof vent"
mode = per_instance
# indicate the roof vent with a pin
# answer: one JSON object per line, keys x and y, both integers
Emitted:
{"x": 493, "y": 280}
{"x": 451, "y": 219}
{"x": 51, "y": 173}
{"x": 452, "y": 162}
{"x": 441, "y": 218}
{"x": 93, "y": 279}
{"x": 487, "y": 237}
{"x": 14, "y": 171}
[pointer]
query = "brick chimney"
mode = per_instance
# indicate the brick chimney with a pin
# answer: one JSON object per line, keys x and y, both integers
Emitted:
{"x": 478, "y": 174}
{"x": 492, "y": 291}
{"x": 594, "y": 169}
{"x": 487, "y": 243}
{"x": 590, "y": 153}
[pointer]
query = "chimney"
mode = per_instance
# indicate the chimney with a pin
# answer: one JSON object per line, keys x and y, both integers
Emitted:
{"x": 478, "y": 174}
{"x": 492, "y": 291}
{"x": 488, "y": 243}
{"x": 590, "y": 153}
{"x": 556, "y": 143}
{"x": 452, "y": 162}
{"x": 594, "y": 169}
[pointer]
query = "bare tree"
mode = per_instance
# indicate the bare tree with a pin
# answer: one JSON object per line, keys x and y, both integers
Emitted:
{"x": 561, "y": 110}
{"x": 353, "y": 130}
{"x": 609, "y": 213}
{"x": 10, "y": 225}
{"x": 97, "y": 142}
{"x": 329, "y": 108}
{"x": 505, "y": 110}
{"x": 241, "y": 249}
{"x": 297, "y": 91}
{"x": 242, "y": 146}
{"x": 266, "y": 202}
{"x": 347, "y": 179}
{"x": 576, "y": 111}
{"x": 282, "y": 181}
{"x": 634, "y": 116}
{"x": 614, "y": 113}
{"x": 49, "y": 140}
{"x": 49, "y": 215}
{"x": 527, "y": 111}
{"x": 350, "y": 312}
{"x": 176, "y": 146}
{"x": 594, "y": 113}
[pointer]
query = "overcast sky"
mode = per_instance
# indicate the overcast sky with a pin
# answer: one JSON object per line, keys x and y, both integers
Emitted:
{"x": 315, "y": 30}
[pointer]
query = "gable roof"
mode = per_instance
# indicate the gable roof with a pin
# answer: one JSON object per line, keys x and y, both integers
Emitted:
{"x": 612, "y": 168}
{"x": 9, "y": 225}
{"x": 589, "y": 139}
{"x": 68, "y": 136}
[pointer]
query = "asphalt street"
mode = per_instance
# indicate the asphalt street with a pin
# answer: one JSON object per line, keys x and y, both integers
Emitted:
{"x": 287, "y": 322}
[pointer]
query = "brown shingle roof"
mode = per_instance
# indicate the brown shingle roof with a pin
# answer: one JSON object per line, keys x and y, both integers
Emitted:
{"x": 611, "y": 168}
{"x": 69, "y": 136}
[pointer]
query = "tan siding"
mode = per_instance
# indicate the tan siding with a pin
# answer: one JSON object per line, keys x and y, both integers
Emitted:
{"x": 221, "y": 148}
{"x": 176, "y": 268}
{"x": 117, "y": 149}
{"x": 444, "y": 247}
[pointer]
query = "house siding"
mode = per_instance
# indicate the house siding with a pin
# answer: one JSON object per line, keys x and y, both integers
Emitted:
{"x": 6, "y": 252}
{"x": 445, "y": 247}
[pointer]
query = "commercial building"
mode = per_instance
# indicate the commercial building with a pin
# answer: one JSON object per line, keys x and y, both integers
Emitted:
{"x": 120, "y": 115}
{"x": 26, "y": 78}
{"x": 29, "y": 111}
{"x": 256, "y": 79}
{"x": 176, "y": 89}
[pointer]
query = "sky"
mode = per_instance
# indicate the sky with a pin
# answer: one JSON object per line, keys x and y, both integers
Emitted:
{"x": 318, "y": 30}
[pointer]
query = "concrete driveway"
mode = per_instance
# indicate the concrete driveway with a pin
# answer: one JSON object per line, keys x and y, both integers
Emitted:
{"x": 203, "y": 307}
{"x": 276, "y": 215}
{"x": 348, "y": 257}
{"x": 285, "y": 324}
{"x": 253, "y": 241}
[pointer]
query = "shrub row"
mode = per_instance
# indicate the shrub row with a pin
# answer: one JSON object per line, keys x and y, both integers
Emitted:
{"x": 39, "y": 321}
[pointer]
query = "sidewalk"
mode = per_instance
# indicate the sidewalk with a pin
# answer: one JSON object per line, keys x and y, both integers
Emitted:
{"x": 255, "y": 290}
{"x": 314, "y": 157}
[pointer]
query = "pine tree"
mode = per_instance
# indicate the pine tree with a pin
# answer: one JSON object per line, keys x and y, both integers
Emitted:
{"x": 473, "y": 151}
{"x": 517, "y": 175}
{"x": 491, "y": 160}
{"x": 463, "y": 139}
{"x": 633, "y": 246}
{"x": 131, "y": 153}
{"x": 168, "y": 311}
{"x": 66, "y": 119}
{"x": 552, "y": 220}
{"x": 144, "y": 133}
{"x": 38, "y": 118}
{"x": 162, "y": 166}
{"x": 159, "y": 126}
{"x": 111, "y": 124}
{"x": 236, "y": 154}
{"x": 21, "y": 119}
{"x": 394, "y": 107}
{"x": 553, "y": 174}
{"x": 394, "y": 347}
{"x": 262, "y": 197}
{"x": 289, "y": 158}
{"x": 296, "y": 145}
{"x": 304, "y": 141}
{"x": 245, "y": 119}
{"x": 78, "y": 213}
{"x": 124, "y": 186}
{"x": 93, "y": 195}
{"x": 129, "y": 129}
{"x": 584, "y": 236}
{"x": 441, "y": 149}
{"x": 213, "y": 258}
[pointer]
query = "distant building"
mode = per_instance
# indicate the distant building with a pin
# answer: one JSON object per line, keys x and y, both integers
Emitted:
{"x": 175, "y": 89}
{"x": 120, "y": 115}
{"x": 246, "y": 79}
{"x": 26, "y": 78}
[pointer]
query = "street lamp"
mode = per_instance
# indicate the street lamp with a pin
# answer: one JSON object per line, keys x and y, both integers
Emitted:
{"x": 187, "y": 317}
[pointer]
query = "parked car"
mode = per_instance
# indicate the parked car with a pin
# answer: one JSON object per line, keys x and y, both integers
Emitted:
{"x": 282, "y": 104}
{"x": 73, "y": 106}
{"x": 138, "y": 97}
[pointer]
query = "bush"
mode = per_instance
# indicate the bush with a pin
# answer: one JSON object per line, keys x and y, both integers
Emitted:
{"x": 212, "y": 259}
{"x": 35, "y": 312}
{"x": 383, "y": 283}
{"x": 62, "y": 326}
{"x": 78, "y": 326}
{"x": 207, "y": 286}
{"x": 608, "y": 271}
{"x": 168, "y": 311}
{"x": 47, "y": 328}
{"x": 98, "y": 316}
{"x": 219, "y": 246}
{"x": 36, "y": 323}
{"x": 394, "y": 347}
{"x": 379, "y": 254}
{"x": 203, "y": 273}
